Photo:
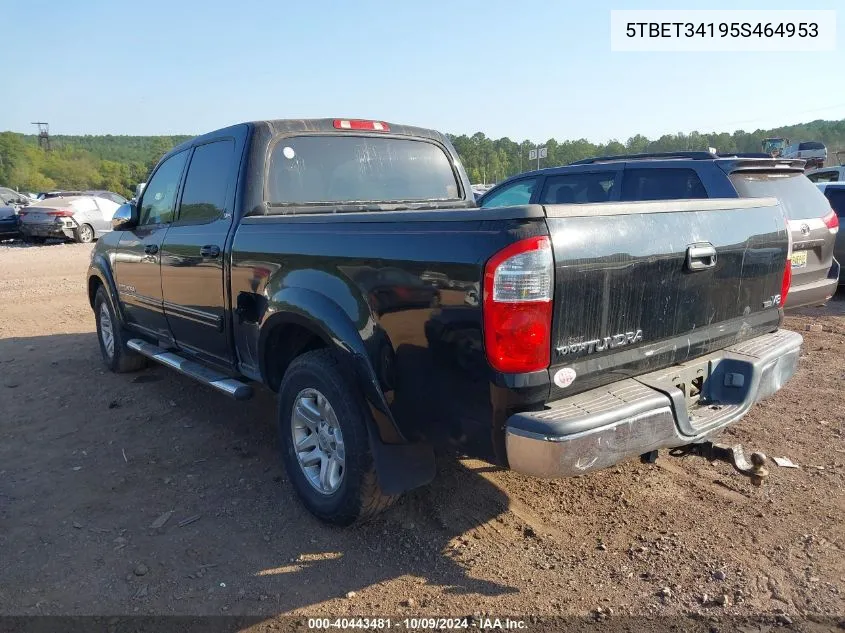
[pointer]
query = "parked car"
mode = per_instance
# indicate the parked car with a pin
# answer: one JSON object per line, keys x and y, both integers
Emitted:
{"x": 82, "y": 218}
{"x": 813, "y": 153}
{"x": 108, "y": 195}
{"x": 835, "y": 193}
{"x": 580, "y": 339}
{"x": 46, "y": 195}
{"x": 8, "y": 215}
{"x": 14, "y": 198}
{"x": 691, "y": 175}
{"x": 827, "y": 174}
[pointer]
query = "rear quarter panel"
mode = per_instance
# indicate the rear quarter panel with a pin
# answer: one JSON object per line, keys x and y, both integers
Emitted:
{"x": 406, "y": 284}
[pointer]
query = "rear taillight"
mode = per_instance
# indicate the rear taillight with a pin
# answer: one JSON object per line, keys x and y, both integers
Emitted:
{"x": 518, "y": 306}
{"x": 831, "y": 221}
{"x": 358, "y": 124}
{"x": 62, "y": 213}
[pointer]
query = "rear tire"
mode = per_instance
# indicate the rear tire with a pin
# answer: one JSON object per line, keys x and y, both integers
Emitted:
{"x": 85, "y": 234}
{"x": 354, "y": 495}
{"x": 34, "y": 239}
{"x": 112, "y": 338}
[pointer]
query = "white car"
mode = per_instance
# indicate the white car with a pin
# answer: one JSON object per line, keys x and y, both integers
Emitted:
{"x": 812, "y": 152}
{"x": 80, "y": 218}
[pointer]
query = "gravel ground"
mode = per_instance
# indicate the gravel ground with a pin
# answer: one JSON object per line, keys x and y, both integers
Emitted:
{"x": 149, "y": 494}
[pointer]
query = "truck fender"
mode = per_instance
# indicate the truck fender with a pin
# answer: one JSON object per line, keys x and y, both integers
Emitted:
{"x": 101, "y": 269}
{"x": 324, "y": 317}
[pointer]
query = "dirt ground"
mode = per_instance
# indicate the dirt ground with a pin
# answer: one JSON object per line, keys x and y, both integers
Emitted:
{"x": 89, "y": 461}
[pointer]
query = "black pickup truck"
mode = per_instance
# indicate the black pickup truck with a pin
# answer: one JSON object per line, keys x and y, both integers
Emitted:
{"x": 344, "y": 264}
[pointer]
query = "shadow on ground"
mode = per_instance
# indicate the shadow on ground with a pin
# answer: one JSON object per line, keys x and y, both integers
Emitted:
{"x": 90, "y": 460}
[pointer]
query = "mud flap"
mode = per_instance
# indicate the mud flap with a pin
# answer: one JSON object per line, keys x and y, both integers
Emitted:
{"x": 754, "y": 467}
{"x": 402, "y": 467}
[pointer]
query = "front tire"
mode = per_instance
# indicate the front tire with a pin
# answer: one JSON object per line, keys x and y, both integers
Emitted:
{"x": 34, "y": 239}
{"x": 325, "y": 445}
{"x": 85, "y": 234}
{"x": 117, "y": 357}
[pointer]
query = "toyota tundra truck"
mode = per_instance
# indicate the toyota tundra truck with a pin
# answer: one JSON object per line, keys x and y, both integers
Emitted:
{"x": 344, "y": 265}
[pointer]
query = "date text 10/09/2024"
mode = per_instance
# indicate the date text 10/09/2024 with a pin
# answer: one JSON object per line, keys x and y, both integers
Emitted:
{"x": 721, "y": 29}
{"x": 421, "y": 623}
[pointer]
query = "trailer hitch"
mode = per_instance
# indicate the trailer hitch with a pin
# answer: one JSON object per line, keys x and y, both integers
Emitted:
{"x": 754, "y": 468}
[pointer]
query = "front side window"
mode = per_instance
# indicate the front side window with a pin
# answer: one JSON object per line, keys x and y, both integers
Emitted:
{"x": 514, "y": 194}
{"x": 160, "y": 195}
{"x": 207, "y": 183}
{"x": 358, "y": 169}
{"x": 579, "y": 188}
{"x": 662, "y": 184}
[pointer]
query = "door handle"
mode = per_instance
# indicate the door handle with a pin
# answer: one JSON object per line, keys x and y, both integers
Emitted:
{"x": 151, "y": 249}
{"x": 701, "y": 257}
{"x": 210, "y": 250}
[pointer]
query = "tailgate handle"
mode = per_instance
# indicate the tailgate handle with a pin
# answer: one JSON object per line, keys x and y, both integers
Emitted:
{"x": 701, "y": 257}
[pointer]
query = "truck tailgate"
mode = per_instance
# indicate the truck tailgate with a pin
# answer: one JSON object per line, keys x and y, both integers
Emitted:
{"x": 643, "y": 285}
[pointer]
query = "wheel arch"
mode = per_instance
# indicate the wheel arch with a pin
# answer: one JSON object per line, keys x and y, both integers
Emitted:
{"x": 317, "y": 321}
{"x": 100, "y": 275}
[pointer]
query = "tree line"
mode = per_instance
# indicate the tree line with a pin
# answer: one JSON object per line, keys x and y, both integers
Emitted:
{"x": 119, "y": 163}
{"x": 487, "y": 160}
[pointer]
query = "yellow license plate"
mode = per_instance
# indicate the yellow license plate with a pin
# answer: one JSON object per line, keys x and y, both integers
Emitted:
{"x": 799, "y": 259}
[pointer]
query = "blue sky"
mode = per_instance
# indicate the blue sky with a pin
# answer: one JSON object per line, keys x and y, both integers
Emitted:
{"x": 528, "y": 69}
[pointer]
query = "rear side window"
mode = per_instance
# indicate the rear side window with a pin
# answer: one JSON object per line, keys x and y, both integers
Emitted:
{"x": 207, "y": 184}
{"x": 511, "y": 195}
{"x": 579, "y": 188}
{"x": 810, "y": 145}
{"x": 350, "y": 169}
{"x": 800, "y": 198}
{"x": 662, "y": 184}
{"x": 836, "y": 196}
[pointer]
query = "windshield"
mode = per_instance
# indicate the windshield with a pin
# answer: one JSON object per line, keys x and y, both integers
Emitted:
{"x": 799, "y": 197}
{"x": 351, "y": 169}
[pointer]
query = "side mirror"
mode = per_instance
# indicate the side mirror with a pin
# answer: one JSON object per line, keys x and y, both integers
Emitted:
{"x": 125, "y": 218}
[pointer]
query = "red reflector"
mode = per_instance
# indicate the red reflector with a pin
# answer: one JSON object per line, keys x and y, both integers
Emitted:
{"x": 831, "y": 221}
{"x": 517, "y": 308}
{"x": 786, "y": 282}
{"x": 64, "y": 213}
{"x": 360, "y": 124}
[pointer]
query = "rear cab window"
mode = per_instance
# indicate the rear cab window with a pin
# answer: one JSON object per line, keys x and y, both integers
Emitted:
{"x": 810, "y": 145}
{"x": 800, "y": 198}
{"x": 334, "y": 169}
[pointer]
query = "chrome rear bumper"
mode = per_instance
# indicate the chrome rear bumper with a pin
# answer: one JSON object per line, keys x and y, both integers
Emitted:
{"x": 601, "y": 427}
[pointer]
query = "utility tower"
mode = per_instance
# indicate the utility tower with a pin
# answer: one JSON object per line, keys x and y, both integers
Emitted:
{"x": 43, "y": 134}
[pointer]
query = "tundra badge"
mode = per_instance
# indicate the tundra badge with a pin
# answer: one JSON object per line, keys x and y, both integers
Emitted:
{"x": 576, "y": 345}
